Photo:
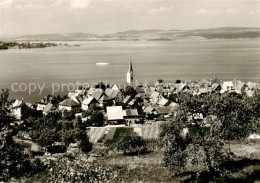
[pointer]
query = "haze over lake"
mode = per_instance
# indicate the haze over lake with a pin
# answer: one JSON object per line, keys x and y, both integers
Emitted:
{"x": 152, "y": 60}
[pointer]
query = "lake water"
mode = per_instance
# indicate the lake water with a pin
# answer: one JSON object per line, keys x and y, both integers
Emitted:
{"x": 152, "y": 60}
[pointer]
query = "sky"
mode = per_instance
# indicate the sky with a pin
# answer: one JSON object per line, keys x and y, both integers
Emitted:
{"x": 22, "y": 17}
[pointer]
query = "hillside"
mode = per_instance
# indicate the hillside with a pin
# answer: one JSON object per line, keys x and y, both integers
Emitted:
{"x": 151, "y": 35}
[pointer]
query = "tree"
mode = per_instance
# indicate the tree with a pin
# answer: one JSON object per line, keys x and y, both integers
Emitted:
{"x": 45, "y": 130}
{"x": 84, "y": 144}
{"x": 12, "y": 159}
{"x": 129, "y": 90}
{"x": 68, "y": 115}
{"x": 96, "y": 119}
{"x": 160, "y": 81}
{"x": 236, "y": 114}
{"x": 178, "y": 81}
{"x": 203, "y": 149}
{"x": 4, "y": 97}
{"x": 130, "y": 142}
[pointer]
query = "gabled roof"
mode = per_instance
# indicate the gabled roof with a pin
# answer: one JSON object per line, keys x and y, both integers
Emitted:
{"x": 204, "y": 90}
{"x": 17, "y": 103}
{"x": 139, "y": 89}
{"x": 111, "y": 93}
{"x": 163, "y": 101}
{"x": 252, "y": 85}
{"x": 204, "y": 81}
{"x": 227, "y": 84}
{"x": 88, "y": 100}
{"x": 163, "y": 110}
{"x": 115, "y": 112}
{"x": 29, "y": 105}
{"x": 115, "y": 87}
{"x": 127, "y": 99}
{"x": 148, "y": 90}
{"x": 72, "y": 95}
{"x": 160, "y": 89}
{"x": 238, "y": 84}
{"x": 183, "y": 86}
{"x": 130, "y": 112}
{"x": 149, "y": 109}
{"x": 131, "y": 102}
{"x": 173, "y": 104}
{"x": 91, "y": 91}
{"x": 103, "y": 98}
{"x": 155, "y": 96}
{"x": 68, "y": 103}
{"x": 97, "y": 94}
{"x": 214, "y": 86}
{"x": 48, "y": 107}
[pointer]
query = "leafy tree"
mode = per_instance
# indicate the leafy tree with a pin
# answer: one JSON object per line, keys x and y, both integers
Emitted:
{"x": 130, "y": 143}
{"x": 173, "y": 97}
{"x": 160, "y": 81}
{"x": 4, "y": 97}
{"x": 96, "y": 119}
{"x": 12, "y": 159}
{"x": 68, "y": 115}
{"x": 230, "y": 116}
{"x": 178, "y": 81}
{"x": 45, "y": 130}
{"x": 203, "y": 149}
{"x": 129, "y": 90}
{"x": 84, "y": 144}
{"x": 102, "y": 86}
{"x": 47, "y": 137}
{"x": 235, "y": 114}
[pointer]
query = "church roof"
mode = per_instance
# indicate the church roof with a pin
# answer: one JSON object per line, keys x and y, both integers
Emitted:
{"x": 130, "y": 67}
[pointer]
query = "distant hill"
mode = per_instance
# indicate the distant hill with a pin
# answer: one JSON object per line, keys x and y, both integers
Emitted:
{"x": 57, "y": 37}
{"x": 153, "y": 34}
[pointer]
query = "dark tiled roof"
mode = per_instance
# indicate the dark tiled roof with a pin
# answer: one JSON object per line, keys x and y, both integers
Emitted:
{"x": 68, "y": 103}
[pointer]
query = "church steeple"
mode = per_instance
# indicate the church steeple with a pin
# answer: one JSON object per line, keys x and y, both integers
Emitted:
{"x": 130, "y": 67}
{"x": 130, "y": 73}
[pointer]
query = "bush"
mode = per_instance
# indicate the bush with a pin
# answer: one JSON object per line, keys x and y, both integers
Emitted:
{"x": 56, "y": 149}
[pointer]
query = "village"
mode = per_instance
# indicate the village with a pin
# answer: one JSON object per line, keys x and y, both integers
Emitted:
{"x": 129, "y": 106}
{"x": 105, "y": 124}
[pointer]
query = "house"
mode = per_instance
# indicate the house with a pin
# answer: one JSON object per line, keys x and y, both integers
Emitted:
{"x": 19, "y": 109}
{"x": 43, "y": 102}
{"x": 163, "y": 102}
{"x": 155, "y": 96}
{"x": 215, "y": 87}
{"x": 115, "y": 87}
{"x": 206, "y": 90}
{"x": 127, "y": 99}
{"x": 115, "y": 114}
{"x": 132, "y": 102}
{"x": 87, "y": 102}
{"x": 131, "y": 116}
{"x": 227, "y": 86}
{"x": 174, "y": 105}
{"x": 183, "y": 87}
{"x": 149, "y": 110}
{"x": 250, "y": 87}
{"x": 75, "y": 96}
{"x": 97, "y": 94}
{"x": 114, "y": 94}
{"x": 103, "y": 100}
{"x": 91, "y": 91}
{"x": 49, "y": 109}
{"x": 164, "y": 111}
{"x": 238, "y": 85}
{"x": 69, "y": 105}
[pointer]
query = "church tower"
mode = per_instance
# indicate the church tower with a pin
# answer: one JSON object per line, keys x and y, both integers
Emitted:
{"x": 130, "y": 74}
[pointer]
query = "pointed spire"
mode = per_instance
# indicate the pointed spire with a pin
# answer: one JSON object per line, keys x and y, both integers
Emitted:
{"x": 130, "y": 66}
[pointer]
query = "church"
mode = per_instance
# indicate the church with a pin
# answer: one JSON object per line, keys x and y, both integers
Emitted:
{"x": 130, "y": 74}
